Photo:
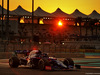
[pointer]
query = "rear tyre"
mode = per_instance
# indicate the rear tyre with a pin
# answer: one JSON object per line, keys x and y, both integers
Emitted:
{"x": 42, "y": 63}
{"x": 13, "y": 62}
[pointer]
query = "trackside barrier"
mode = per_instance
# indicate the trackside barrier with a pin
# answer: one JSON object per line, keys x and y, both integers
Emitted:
{"x": 49, "y": 48}
{"x": 89, "y": 50}
{"x": 7, "y": 55}
{"x": 67, "y": 55}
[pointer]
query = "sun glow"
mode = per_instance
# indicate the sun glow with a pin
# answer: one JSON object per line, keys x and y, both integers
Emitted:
{"x": 60, "y": 23}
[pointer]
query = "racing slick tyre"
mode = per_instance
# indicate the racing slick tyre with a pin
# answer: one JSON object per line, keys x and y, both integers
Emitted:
{"x": 68, "y": 61}
{"x": 43, "y": 63}
{"x": 14, "y": 62}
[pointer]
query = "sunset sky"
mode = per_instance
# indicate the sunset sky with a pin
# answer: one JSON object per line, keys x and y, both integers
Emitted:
{"x": 68, "y": 6}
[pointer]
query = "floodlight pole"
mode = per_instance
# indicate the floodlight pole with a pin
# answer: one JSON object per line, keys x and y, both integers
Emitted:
{"x": 8, "y": 11}
{"x": 2, "y": 20}
{"x": 7, "y": 25}
{"x": 32, "y": 18}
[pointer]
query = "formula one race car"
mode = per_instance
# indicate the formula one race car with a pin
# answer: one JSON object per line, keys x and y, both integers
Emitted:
{"x": 37, "y": 59}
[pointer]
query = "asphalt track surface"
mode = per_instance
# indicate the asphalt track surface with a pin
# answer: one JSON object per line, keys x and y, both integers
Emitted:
{"x": 24, "y": 70}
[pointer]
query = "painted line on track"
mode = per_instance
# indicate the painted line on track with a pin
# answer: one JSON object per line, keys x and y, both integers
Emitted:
{"x": 89, "y": 67}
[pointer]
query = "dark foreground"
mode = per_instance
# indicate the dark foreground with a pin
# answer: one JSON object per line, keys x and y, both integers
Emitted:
{"x": 6, "y": 70}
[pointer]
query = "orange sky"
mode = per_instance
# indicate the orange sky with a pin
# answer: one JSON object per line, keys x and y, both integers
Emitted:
{"x": 68, "y": 6}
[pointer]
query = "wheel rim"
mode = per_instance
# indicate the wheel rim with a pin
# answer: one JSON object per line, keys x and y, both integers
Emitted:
{"x": 10, "y": 62}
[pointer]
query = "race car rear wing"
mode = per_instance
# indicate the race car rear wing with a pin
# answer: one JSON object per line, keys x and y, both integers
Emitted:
{"x": 22, "y": 52}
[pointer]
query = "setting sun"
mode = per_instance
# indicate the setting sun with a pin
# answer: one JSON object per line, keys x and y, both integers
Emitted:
{"x": 60, "y": 23}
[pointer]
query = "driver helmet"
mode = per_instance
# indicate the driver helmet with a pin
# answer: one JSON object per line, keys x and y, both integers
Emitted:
{"x": 35, "y": 52}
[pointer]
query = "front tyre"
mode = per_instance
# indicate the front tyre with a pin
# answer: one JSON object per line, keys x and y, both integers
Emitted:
{"x": 68, "y": 62}
{"x": 13, "y": 62}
